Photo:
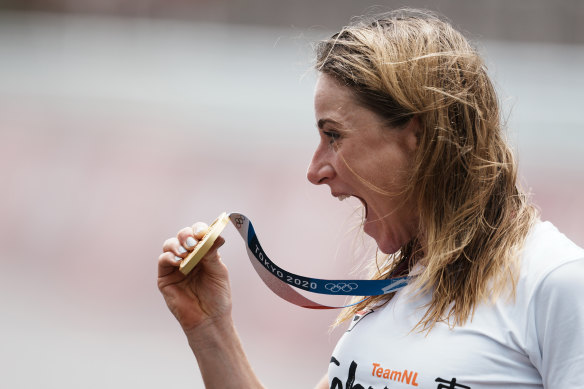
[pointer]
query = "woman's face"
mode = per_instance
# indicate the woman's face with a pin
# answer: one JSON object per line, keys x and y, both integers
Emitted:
{"x": 359, "y": 155}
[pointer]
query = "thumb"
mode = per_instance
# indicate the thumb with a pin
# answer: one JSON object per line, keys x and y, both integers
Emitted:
{"x": 213, "y": 259}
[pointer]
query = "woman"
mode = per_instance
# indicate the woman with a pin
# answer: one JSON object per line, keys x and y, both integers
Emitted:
{"x": 409, "y": 123}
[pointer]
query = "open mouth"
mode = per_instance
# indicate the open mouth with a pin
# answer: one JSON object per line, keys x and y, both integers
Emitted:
{"x": 343, "y": 197}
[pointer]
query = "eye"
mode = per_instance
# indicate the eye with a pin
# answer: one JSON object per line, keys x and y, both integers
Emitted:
{"x": 332, "y": 136}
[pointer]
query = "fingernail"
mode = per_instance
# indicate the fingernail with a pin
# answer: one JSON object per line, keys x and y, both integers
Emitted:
{"x": 181, "y": 250}
{"x": 191, "y": 242}
{"x": 199, "y": 230}
{"x": 178, "y": 259}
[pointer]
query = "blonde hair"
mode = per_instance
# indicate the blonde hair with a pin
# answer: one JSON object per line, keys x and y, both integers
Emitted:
{"x": 410, "y": 64}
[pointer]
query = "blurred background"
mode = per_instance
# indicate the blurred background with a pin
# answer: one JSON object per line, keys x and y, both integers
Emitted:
{"x": 123, "y": 121}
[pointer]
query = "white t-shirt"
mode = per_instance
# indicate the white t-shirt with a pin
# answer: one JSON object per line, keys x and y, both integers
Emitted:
{"x": 534, "y": 341}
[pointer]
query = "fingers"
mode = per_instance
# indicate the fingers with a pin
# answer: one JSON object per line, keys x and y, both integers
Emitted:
{"x": 168, "y": 259}
{"x": 199, "y": 230}
{"x": 175, "y": 249}
{"x": 172, "y": 245}
{"x": 186, "y": 239}
{"x": 167, "y": 263}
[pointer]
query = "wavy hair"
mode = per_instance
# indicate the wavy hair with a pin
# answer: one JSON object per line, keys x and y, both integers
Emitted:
{"x": 411, "y": 64}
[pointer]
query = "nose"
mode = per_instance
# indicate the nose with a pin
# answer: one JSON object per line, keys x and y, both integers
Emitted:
{"x": 320, "y": 169}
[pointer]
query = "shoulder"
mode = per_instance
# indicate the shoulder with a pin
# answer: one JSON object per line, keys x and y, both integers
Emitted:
{"x": 552, "y": 281}
{"x": 547, "y": 258}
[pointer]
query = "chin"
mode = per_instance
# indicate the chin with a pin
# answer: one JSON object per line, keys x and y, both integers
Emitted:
{"x": 388, "y": 247}
{"x": 388, "y": 242}
{"x": 384, "y": 245}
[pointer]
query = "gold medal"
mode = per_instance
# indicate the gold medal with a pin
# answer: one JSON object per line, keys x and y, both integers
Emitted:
{"x": 205, "y": 244}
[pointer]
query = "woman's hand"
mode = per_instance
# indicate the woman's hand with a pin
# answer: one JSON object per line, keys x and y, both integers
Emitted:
{"x": 203, "y": 297}
{"x": 201, "y": 302}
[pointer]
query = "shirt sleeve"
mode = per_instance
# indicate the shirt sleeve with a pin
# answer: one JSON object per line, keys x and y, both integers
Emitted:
{"x": 559, "y": 326}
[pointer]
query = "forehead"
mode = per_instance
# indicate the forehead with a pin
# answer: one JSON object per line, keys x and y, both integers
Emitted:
{"x": 330, "y": 95}
{"x": 336, "y": 102}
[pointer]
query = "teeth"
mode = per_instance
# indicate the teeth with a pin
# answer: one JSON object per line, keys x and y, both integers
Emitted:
{"x": 343, "y": 197}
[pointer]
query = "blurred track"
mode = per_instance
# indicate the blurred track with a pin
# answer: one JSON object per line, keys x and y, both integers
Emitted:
{"x": 115, "y": 133}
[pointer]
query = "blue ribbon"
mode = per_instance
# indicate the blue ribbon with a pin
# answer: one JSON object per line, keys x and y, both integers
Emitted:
{"x": 315, "y": 285}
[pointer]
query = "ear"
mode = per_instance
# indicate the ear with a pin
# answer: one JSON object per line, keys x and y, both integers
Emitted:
{"x": 412, "y": 133}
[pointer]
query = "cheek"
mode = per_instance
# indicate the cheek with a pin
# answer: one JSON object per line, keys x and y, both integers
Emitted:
{"x": 350, "y": 169}
{"x": 376, "y": 168}
{"x": 387, "y": 186}
{"x": 389, "y": 172}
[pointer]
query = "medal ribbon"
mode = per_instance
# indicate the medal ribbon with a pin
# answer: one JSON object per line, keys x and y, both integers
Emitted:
{"x": 280, "y": 280}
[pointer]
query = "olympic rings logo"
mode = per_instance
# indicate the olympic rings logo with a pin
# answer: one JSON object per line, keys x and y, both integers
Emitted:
{"x": 239, "y": 221}
{"x": 341, "y": 287}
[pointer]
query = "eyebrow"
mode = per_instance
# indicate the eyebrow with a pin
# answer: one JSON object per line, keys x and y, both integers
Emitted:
{"x": 322, "y": 122}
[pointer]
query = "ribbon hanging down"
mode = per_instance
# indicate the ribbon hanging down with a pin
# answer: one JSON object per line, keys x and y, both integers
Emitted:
{"x": 281, "y": 281}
